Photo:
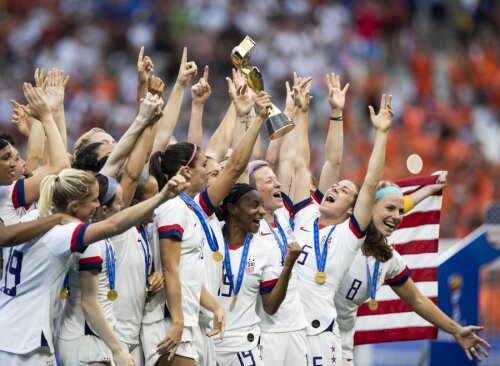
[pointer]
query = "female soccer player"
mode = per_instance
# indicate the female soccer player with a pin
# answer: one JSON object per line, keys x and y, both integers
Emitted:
{"x": 36, "y": 269}
{"x": 377, "y": 263}
{"x": 251, "y": 268}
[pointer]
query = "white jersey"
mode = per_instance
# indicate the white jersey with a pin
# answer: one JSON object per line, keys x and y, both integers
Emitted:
{"x": 262, "y": 271}
{"x": 290, "y": 316}
{"x": 212, "y": 268}
{"x": 131, "y": 252}
{"x": 175, "y": 219}
{"x": 73, "y": 323}
{"x": 354, "y": 290}
{"x": 31, "y": 285}
{"x": 13, "y": 205}
{"x": 343, "y": 244}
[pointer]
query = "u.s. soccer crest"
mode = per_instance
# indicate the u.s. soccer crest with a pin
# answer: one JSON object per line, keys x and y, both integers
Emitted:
{"x": 250, "y": 266}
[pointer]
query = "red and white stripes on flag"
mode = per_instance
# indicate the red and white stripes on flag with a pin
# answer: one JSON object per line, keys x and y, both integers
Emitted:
{"x": 416, "y": 239}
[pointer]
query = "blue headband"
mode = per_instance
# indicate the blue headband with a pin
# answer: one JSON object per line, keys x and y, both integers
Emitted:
{"x": 112, "y": 185}
{"x": 387, "y": 191}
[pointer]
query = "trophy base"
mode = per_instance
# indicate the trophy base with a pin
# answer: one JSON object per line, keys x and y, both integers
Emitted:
{"x": 278, "y": 125}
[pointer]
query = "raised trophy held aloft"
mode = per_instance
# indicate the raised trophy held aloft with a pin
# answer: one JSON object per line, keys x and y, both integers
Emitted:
{"x": 277, "y": 123}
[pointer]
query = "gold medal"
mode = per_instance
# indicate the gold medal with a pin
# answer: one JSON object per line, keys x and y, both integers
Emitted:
{"x": 64, "y": 293}
{"x": 112, "y": 295}
{"x": 320, "y": 277}
{"x": 373, "y": 305}
{"x": 235, "y": 298}
{"x": 217, "y": 256}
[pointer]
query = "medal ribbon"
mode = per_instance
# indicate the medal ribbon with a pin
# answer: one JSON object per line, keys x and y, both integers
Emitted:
{"x": 282, "y": 242}
{"x": 66, "y": 281}
{"x": 145, "y": 250}
{"x": 110, "y": 263}
{"x": 372, "y": 280}
{"x": 241, "y": 270}
{"x": 321, "y": 256}
{"x": 209, "y": 234}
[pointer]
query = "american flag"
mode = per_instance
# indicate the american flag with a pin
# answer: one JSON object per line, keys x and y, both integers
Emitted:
{"x": 416, "y": 239}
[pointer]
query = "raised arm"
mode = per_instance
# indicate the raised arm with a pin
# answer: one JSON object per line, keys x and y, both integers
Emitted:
{"x": 416, "y": 197}
{"x": 423, "y": 306}
{"x": 200, "y": 92}
{"x": 152, "y": 108}
{"x": 131, "y": 216}
{"x": 238, "y": 160}
{"x": 366, "y": 198}
{"x": 145, "y": 70}
{"x": 167, "y": 123}
{"x": 39, "y": 109}
{"x": 89, "y": 284}
{"x": 330, "y": 173}
{"x": 54, "y": 90}
{"x": 221, "y": 139}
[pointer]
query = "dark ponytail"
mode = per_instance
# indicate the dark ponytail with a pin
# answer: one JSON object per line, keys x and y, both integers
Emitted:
{"x": 164, "y": 165}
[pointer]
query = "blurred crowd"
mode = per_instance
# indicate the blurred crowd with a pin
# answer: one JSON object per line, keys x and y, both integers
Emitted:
{"x": 439, "y": 59}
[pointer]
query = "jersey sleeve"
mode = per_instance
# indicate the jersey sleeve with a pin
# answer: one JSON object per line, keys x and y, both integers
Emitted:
{"x": 204, "y": 202}
{"x": 398, "y": 272}
{"x": 91, "y": 259}
{"x": 13, "y": 198}
{"x": 317, "y": 196}
{"x": 270, "y": 273}
{"x": 287, "y": 202}
{"x": 304, "y": 211}
{"x": 172, "y": 221}
{"x": 350, "y": 235}
{"x": 18, "y": 196}
{"x": 63, "y": 240}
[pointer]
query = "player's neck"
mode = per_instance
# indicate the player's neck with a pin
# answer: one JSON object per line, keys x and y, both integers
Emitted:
{"x": 191, "y": 193}
{"x": 234, "y": 234}
{"x": 269, "y": 217}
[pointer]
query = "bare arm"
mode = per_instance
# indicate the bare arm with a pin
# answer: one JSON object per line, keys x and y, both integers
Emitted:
{"x": 89, "y": 284}
{"x": 428, "y": 190}
{"x": 366, "y": 198}
{"x": 221, "y": 139}
{"x": 167, "y": 123}
{"x": 145, "y": 70}
{"x": 334, "y": 145}
{"x": 199, "y": 95}
{"x": 424, "y": 307}
{"x": 12, "y": 235}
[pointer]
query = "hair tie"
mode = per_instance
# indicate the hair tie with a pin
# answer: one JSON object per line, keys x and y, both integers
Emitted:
{"x": 192, "y": 156}
{"x": 387, "y": 191}
{"x": 110, "y": 192}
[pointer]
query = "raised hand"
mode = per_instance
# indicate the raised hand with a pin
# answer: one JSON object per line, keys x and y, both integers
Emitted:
{"x": 241, "y": 100}
{"x": 219, "y": 323}
{"x": 382, "y": 121}
{"x": 336, "y": 95}
{"x": 176, "y": 185}
{"x": 262, "y": 103}
{"x": 54, "y": 88}
{"x": 151, "y": 108}
{"x": 145, "y": 67}
{"x": 301, "y": 89}
{"x": 293, "y": 251}
{"x": 471, "y": 343}
{"x": 187, "y": 70}
{"x": 38, "y": 106}
{"x": 156, "y": 86}
{"x": 201, "y": 91}
{"x": 21, "y": 118}
{"x": 40, "y": 80}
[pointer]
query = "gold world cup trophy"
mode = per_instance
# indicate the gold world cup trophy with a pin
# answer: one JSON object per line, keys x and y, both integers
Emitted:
{"x": 277, "y": 123}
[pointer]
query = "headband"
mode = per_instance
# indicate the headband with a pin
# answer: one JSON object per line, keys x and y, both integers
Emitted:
{"x": 192, "y": 156}
{"x": 3, "y": 143}
{"x": 387, "y": 191}
{"x": 112, "y": 185}
{"x": 237, "y": 192}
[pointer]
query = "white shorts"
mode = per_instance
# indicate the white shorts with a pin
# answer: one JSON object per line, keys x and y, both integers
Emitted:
{"x": 284, "y": 349}
{"x": 204, "y": 346}
{"x": 83, "y": 350}
{"x": 154, "y": 333}
{"x": 135, "y": 350}
{"x": 39, "y": 357}
{"x": 244, "y": 358}
{"x": 325, "y": 349}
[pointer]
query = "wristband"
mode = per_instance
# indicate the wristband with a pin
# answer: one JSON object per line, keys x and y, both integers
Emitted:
{"x": 336, "y": 119}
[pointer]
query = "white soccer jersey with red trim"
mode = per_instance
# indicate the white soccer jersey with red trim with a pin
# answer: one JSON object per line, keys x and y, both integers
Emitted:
{"x": 30, "y": 286}
{"x": 354, "y": 290}
{"x": 12, "y": 203}
{"x": 175, "y": 219}
{"x": 290, "y": 316}
{"x": 343, "y": 244}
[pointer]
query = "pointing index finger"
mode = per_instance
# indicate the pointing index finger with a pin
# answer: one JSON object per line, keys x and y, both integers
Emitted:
{"x": 205, "y": 73}
{"x": 184, "y": 55}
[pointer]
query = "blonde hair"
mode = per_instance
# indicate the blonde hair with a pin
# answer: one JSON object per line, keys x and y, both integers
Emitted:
{"x": 56, "y": 191}
{"x": 84, "y": 139}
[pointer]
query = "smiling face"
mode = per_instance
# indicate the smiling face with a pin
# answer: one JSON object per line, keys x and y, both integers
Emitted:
{"x": 7, "y": 166}
{"x": 269, "y": 188}
{"x": 85, "y": 209}
{"x": 388, "y": 213}
{"x": 247, "y": 212}
{"x": 20, "y": 164}
{"x": 339, "y": 200}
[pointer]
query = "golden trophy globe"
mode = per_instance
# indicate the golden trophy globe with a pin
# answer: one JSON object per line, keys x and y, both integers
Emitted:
{"x": 277, "y": 123}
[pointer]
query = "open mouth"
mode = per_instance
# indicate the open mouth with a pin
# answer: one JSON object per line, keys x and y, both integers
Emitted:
{"x": 390, "y": 225}
{"x": 330, "y": 198}
{"x": 277, "y": 195}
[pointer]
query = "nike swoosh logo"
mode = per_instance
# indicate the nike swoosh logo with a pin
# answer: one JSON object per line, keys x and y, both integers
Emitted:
{"x": 302, "y": 228}
{"x": 264, "y": 234}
